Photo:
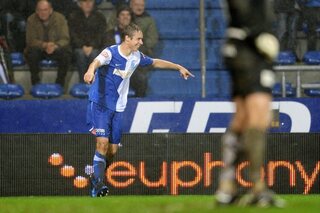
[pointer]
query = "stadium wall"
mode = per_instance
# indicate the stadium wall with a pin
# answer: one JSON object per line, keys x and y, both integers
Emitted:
{"x": 150, "y": 164}
{"x": 153, "y": 116}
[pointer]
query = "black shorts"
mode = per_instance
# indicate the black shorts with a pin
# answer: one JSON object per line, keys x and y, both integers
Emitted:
{"x": 250, "y": 71}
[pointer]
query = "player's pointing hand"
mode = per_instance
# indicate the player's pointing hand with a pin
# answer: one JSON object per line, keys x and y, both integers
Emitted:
{"x": 185, "y": 73}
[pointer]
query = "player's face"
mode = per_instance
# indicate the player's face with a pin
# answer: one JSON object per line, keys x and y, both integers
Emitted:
{"x": 137, "y": 7}
{"x": 124, "y": 18}
{"x": 136, "y": 41}
{"x": 87, "y": 6}
{"x": 44, "y": 10}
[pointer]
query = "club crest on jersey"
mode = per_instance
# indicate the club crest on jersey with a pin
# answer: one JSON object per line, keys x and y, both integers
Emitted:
{"x": 105, "y": 54}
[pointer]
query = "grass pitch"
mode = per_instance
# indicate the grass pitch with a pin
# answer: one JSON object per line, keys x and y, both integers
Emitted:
{"x": 146, "y": 204}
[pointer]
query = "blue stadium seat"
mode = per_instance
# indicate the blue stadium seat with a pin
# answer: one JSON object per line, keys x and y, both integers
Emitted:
{"x": 46, "y": 91}
{"x": 80, "y": 90}
{"x": 48, "y": 63}
{"x": 17, "y": 59}
{"x": 215, "y": 24}
{"x": 182, "y": 4}
{"x": 10, "y": 91}
{"x": 169, "y": 84}
{"x": 312, "y": 57}
{"x": 312, "y": 92}
{"x": 187, "y": 53}
{"x": 277, "y": 90}
{"x": 174, "y": 24}
{"x": 286, "y": 58}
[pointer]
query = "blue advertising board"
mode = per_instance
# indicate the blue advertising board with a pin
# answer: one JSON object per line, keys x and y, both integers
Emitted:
{"x": 151, "y": 115}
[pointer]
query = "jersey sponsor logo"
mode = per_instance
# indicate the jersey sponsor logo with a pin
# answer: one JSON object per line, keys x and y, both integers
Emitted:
{"x": 100, "y": 132}
{"x": 122, "y": 73}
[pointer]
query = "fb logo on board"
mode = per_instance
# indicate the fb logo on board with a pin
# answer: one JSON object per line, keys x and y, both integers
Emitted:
{"x": 298, "y": 113}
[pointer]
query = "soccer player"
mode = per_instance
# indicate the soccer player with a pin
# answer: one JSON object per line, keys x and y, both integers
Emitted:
{"x": 249, "y": 53}
{"x": 108, "y": 97}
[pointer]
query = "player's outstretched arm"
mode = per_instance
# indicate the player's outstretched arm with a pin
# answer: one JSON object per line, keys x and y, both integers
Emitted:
{"x": 89, "y": 75}
{"x": 163, "y": 64}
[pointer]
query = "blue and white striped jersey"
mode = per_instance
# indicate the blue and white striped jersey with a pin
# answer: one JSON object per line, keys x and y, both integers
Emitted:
{"x": 111, "y": 85}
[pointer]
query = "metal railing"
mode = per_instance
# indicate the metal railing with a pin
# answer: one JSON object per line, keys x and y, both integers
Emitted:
{"x": 297, "y": 69}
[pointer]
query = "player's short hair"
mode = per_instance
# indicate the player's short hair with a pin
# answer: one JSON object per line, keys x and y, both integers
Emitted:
{"x": 129, "y": 31}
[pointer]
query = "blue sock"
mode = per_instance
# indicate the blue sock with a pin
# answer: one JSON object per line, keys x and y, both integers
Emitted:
{"x": 99, "y": 166}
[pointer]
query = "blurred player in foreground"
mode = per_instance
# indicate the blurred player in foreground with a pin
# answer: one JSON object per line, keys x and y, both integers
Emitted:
{"x": 108, "y": 97}
{"x": 249, "y": 53}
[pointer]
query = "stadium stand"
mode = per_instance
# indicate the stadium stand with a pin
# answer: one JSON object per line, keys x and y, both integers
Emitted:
{"x": 178, "y": 24}
{"x": 180, "y": 43}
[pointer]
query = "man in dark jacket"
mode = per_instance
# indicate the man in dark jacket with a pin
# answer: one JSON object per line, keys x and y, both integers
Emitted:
{"x": 139, "y": 80}
{"x": 124, "y": 18}
{"x": 47, "y": 37}
{"x": 87, "y": 27}
{"x": 287, "y": 16}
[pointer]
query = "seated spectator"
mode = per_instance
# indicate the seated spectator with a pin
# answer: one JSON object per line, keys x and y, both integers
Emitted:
{"x": 311, "y": 14}
{"x": 147, "y": 25}
{"x": 287, "y": 16}
{"x": 65, "y": 7}
{"x": 47, "y": 38}
{"x": 139, "y": 79}
{"x": 87, "y": 27}
{"x": 124, "y": 17}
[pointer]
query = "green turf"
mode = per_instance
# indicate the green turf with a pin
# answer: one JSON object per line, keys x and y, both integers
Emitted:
{"x": 145, "y": 204}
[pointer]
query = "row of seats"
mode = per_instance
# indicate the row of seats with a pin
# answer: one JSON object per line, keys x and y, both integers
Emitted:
{"x": 170, "y": 27}
{"x": 185, "y": 52}
{"x": 289, "y": 58}
{"x": 162, "y": 83}
{"x": 183, "y": 4}
{"x": 46, "y": 91}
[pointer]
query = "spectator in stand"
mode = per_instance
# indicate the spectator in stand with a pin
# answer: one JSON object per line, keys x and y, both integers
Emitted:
{"x": 311, "y": 14}
{"x": 124, "y": 17}
{"x": 139, "y": 80}
{"x": 13, "y": 15}
{"x": 47, "y": 37}
{"x": 287, "y": 16}
{"x": 65, "y": 7}
{"x": 87, "y": 27}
